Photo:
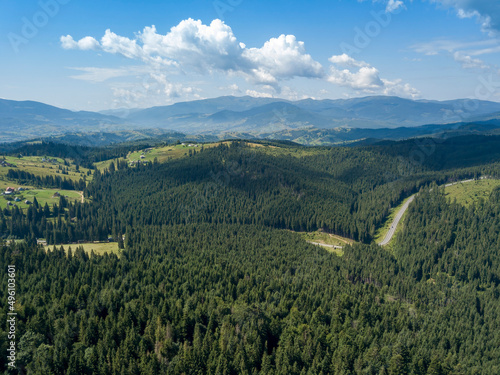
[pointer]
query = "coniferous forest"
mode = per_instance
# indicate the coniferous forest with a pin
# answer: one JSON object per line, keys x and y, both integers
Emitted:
{"x": 213, "y": 277}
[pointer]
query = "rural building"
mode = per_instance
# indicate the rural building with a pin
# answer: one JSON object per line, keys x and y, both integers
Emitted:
{"x": 9, "y": 191}
{"x": 56, "y": 195}
{"x": 4, "y": 163}
{"x": 27, "y": 202}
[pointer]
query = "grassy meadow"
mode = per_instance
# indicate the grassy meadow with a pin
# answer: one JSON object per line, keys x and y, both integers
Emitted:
{"x": 42, "y": 196}
{"x": 471, "y": 192}
{"x": 98, "y": 248}
{"x": 39, "y": 167}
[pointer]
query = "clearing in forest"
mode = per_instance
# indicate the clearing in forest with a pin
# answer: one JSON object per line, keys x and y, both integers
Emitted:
{"x": 471, "y": 192}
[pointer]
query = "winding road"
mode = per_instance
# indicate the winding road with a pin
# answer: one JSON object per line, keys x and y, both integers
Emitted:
{"x": 403, "y": 209}
{"x": 396, "y": 220}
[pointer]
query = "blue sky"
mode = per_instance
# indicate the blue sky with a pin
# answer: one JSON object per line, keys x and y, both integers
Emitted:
{"x": 94, "y": 55}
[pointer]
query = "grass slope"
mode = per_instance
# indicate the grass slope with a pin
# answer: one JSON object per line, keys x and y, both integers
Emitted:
{"x": 97, "y": 248}
{"x": 162, "y": 154}
{"x": 36, "y": 165}
{"x": 471, "y": 192}
{"x": 328, "y": 239}
{"x": 42, "y": 196}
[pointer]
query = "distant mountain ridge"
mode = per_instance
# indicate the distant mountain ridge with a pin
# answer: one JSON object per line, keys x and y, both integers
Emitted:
{"x": 229, "y": 113}
{"x": 25, "y": 119}
{"x": 20, "y": 120}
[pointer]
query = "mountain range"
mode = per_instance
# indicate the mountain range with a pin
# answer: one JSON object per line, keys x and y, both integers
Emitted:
{"x": 259, "y": 117}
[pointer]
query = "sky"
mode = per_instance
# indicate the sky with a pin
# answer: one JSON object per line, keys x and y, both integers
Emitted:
{"x": 98, "y": 55}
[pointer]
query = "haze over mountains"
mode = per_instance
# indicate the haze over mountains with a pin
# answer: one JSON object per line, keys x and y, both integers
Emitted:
{"x": 21, "y": 120}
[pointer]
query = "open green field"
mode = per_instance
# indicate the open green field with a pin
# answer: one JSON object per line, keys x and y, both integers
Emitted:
{"x": 42, "y": 196}
{"x": 328, "y": 239}
{"x": 97, "y": 248}
{"x": 162, "y": 154}
{"x": 471, "y": 192}
{"x": 40, "y": 167}
{"x": 281, "y": 151}
{"x": 382, "y": 231}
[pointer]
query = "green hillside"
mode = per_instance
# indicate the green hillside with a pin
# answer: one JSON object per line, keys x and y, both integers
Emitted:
{"x": 218, "y": 276}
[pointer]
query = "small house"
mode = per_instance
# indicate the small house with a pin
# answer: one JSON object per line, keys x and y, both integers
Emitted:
{"x": 9, "y": 191}
{"x": 56, "y": 195}
{"x": 27, "y": 202}
{"x": 17, "y": 199}
{"x": 20, "y": 189}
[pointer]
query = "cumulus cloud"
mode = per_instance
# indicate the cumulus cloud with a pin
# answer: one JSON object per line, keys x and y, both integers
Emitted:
{"x": 191, "y": 45}
{"x": 87, "y": 43}
{"x": 282, "y": 57}
{"x": 398, "y": 88}
{"x": 258, "y": 94}
{"x": 361, "y": 76}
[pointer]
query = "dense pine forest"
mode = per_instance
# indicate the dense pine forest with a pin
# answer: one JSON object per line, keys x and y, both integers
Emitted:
{"x": 212, "y": 277}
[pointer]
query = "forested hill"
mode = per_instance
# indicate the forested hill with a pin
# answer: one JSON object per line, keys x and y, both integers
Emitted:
{"x": 213, "y": 278}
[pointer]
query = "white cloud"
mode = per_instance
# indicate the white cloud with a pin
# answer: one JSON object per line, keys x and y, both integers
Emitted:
{"x": 233, "y": 88}
{"x": 461, "y": 52}
{"x": 94, "y": 74}
{"x": 259, "y": 94}
{"x": 487, "y": 12}
{"x": 434, "y": 47}
{"x": 366, "y": 78}
{"x": 361, "y": 76}
{"x": 346, "y": 60}
{"x": 468, "y": 62}
{"x": 283, "y": 57}
{"x": 87, "y": 43}
{"x": 193, "y": 46}
{"x": 154, "y": 90}
{"x": 393, "y": 5}
{"x": 398, "y": 88}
